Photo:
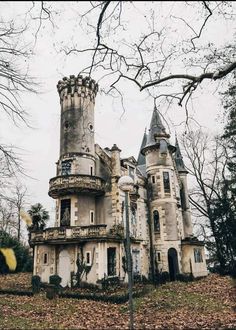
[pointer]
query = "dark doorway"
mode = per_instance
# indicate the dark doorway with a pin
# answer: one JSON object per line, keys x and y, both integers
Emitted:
{"x": 173, "y": 263}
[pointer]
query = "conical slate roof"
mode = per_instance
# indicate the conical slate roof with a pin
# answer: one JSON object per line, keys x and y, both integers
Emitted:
{"x": 141, "y": 157}
{"x": 156, "y": 130}
{"x": 178, "y": 158}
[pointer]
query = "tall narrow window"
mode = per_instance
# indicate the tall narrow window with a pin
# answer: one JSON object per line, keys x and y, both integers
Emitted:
{"x": 91, "y": 170}
{"x": 156, "y": 221}
{"x": 88, "y": 258}
{"x": 166, "y": 181}
{"x": 66, "y": 167}
{"x": 45, "y": 258}
{"x": 198, "y": 255}
{"x": 111, "y": 261}
{"x": 153, "y": 179}
{"x": 65, "y": 212}
{"x": 91, "y": 217}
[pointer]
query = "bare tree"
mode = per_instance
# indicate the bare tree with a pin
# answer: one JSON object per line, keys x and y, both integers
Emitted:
{"x": 207, "y": 164}
{"x": 161, "y": 47}
{"x": 10, "y": 207}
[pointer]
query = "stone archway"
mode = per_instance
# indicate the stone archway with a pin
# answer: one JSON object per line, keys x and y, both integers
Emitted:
{"x": 64, "y": 268}
{"x": 173, "y": 263}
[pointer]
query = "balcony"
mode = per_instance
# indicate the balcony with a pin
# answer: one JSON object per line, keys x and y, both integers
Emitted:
{"x": 60, "y": 235}
{"x": 74, "y": 184}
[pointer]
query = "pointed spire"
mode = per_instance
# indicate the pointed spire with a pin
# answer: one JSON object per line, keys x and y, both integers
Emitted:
{"x": 178, "y": 157}
{"x": 141, "y": 157}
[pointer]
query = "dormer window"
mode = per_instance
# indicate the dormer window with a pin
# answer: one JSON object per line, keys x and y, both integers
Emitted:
{"x": 66, "y": 167}
{"x": 163, "y": 147}
{"x": 131, "y": 172}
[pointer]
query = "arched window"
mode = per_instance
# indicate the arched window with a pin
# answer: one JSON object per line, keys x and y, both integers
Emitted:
{"x": 156, "y": 221}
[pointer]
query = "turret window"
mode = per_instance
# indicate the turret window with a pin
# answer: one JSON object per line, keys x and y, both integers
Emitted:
{"x": 65, "y": 212}
{"x": 91, "y": 217}
{"x": 166, "y": 182}
{"x": 66, "y": 167}
{"x": 153, "y": 179}
{"x": 156, "y": 221}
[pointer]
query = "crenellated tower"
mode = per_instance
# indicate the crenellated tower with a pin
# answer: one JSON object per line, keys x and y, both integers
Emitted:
{"x": 76, "y": 183}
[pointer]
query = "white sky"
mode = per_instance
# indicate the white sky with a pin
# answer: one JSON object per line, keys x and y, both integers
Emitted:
{"x": 40, "y": 145}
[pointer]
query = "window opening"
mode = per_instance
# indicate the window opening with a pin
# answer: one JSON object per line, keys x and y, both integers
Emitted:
{"x": 66, "y": 167}
{"x": 111, "y": 261}
{"x": 65, "y": 212}
{"x": 166, "y": 181}
{"x": 156, "y": 220}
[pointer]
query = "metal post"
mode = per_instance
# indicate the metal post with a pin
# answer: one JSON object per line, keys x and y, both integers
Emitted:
{"x": 129, "y": 264}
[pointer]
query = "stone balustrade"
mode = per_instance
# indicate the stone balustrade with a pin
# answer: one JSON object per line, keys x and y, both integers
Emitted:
{"x": 71, "y": 234}
{"x": 74, "y": 183}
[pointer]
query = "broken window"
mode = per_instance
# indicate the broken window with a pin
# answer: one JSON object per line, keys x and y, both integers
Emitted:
{"x": 65, "y": 212}
{"x": 166, "y": 182}
{"x": 111, "y": 261}
{"x": 66, "y": 167}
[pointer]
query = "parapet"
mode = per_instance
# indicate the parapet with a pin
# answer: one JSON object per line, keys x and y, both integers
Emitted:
{"x": 79, "y": 85}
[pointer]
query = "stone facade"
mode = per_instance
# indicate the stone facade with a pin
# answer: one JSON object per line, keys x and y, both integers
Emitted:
{"x": 90, "y": 208}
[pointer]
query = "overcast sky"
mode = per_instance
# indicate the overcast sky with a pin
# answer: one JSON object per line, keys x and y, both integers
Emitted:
{"x": 40, "y": 144}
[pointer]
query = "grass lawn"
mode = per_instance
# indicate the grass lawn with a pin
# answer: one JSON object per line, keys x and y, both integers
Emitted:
{"x": 209, "y": 303}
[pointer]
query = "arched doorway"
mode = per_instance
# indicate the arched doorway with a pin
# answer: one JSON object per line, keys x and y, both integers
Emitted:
{"x": 173, "y": 263}
{"x": 64, "y": 268}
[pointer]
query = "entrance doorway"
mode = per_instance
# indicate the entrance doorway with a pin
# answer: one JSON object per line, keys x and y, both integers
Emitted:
{"x": 173, "y": 263}
{"x": 64, "y": 268}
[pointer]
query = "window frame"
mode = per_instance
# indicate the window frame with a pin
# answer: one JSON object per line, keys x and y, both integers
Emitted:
{"x": 91, "y": 217}
{"x": 88, "y": 254}
{"x": 166, "y": 182}
{"x": 45, "y": 260}
{"x": 111, "y": 264}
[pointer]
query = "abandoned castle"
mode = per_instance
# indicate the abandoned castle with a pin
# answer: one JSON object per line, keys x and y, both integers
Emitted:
{"x": 90, "y": 214}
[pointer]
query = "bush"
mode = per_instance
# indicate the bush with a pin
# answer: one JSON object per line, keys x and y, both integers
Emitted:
{"x": 51, "y": 290}
{"x": 36, "y": 283}
{"x": 55, "y": 279}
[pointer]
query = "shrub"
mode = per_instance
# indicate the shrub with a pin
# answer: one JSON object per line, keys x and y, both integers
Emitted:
{"x": 55, "y": 279}
{"x": 51, "y": 290}
{"x": 36, "y": 283}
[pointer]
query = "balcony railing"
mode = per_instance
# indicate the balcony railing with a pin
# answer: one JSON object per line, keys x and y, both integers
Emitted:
{"x": 74, "y": 183}
{"x": 72, "y": 234}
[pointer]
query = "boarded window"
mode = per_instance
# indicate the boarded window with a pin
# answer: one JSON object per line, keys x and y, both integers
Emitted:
{"x": 166, "y": 182}
{"x": 111, "y": 261}
{"x": 65, "y": 212}
{"x": 66, "y": 167}
{"x": 198, "y": 255}
{"x": 156, "y": 221}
